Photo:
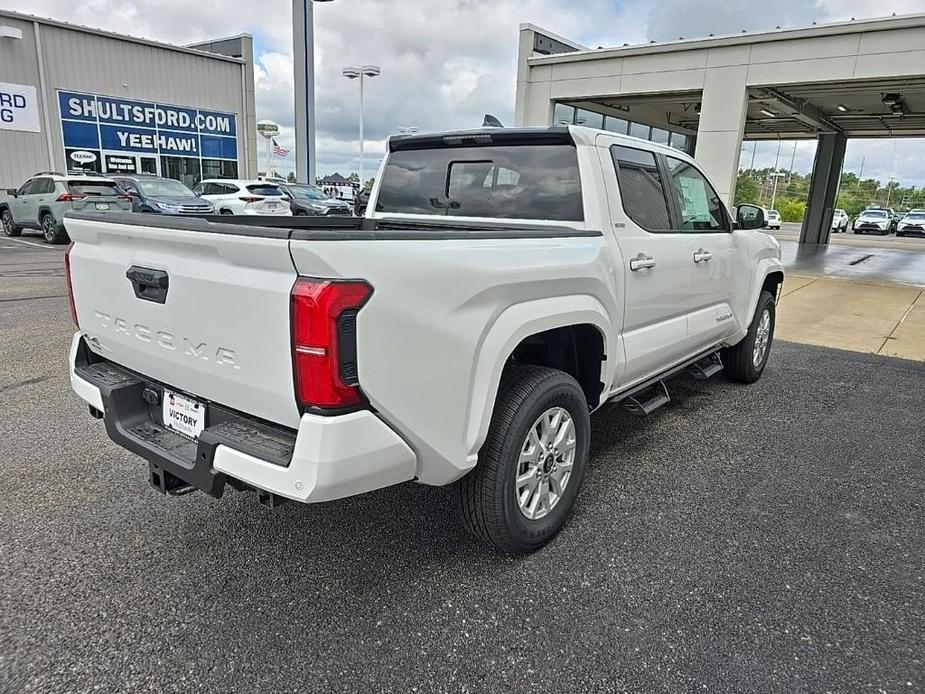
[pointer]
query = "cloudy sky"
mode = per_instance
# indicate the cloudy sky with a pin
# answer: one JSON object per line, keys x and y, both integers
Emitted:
{"x": 445, "y": 63}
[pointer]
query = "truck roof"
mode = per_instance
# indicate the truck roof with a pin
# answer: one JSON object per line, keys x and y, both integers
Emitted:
{"x": 554, "y": 134}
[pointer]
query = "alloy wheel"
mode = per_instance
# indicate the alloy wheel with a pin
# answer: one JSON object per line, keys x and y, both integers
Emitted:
{"x": 545, "y": 464}
{"x": 762, "y": 339}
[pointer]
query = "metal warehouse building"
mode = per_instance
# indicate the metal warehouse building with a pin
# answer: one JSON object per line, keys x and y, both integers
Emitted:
{"x": 74, "y": 97}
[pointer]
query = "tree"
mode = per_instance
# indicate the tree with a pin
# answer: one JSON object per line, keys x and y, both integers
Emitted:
{"x": 792, "y": 211}
{"x": 746, "y": 189}
{"x": 291, "y": 177}
{"x": 370, "y": 182}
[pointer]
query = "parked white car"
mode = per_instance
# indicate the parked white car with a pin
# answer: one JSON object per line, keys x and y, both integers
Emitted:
{"x": 772, "y": 219}
{"x": 235, "y": 196}
{"x": 839, "y": 221}
{"x": 505, "y": 284}
{"x": 876, "y": 221}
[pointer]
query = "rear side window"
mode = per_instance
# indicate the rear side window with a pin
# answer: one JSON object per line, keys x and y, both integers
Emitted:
{"x": 43, "y": 186}
{"x": 501, "y": 181}
{"x": 264, "y": 189}
{"x": 701, "y": 208}
{"x": 641, "y": 188}
{"x": 95, "y": 188}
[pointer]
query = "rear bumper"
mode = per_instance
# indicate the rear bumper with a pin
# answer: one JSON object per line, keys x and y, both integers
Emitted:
{"x": 326, "y": 458}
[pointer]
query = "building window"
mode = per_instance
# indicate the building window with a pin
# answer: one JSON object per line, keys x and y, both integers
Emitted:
{"x": 679, "y": 141}
{"x": 660, "y": 136}
{"x": 185, "y": 169}
{"x": 589, "y": 119}
{"x": 616, "y": 125}
{"x": 219, "y": 168}
{"x": 639, "y": 130}
{"x": 563, "y": 115}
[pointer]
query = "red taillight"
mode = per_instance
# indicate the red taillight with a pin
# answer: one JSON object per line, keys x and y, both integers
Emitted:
{"x": 324, "y": 341}
{"x": 69, "y": 197}
{"x": 250, "y": 198}
{"x": 70, "y": 287}
{"x": 125, "y": 198}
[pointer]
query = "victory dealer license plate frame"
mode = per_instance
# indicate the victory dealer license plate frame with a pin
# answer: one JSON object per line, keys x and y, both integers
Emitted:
{"x": 184, "y": 415}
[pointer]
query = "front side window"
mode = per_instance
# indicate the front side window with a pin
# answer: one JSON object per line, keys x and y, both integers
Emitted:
{"x": 701, "y": 208}
{"x": 27, "y": 188}
{"x": 525, "y": 181}
{"x": 641, "y": 188}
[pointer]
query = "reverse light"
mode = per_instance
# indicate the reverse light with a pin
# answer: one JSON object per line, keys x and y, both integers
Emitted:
{"x": 70, "y": 287}
{"x": 324, "y": 350}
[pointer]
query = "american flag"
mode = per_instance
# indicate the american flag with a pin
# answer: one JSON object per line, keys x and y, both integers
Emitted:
{"x": 279, "y": 151}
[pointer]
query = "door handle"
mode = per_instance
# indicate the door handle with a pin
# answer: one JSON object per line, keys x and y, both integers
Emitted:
{"x": 642, "y": 262}
{"x": 702, "y": 256}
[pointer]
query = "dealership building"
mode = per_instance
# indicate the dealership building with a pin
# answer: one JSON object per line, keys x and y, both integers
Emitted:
{"x": 73, "y": 97}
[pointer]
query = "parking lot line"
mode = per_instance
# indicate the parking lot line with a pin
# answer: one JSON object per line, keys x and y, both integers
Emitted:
{"x": 36, "y": 244}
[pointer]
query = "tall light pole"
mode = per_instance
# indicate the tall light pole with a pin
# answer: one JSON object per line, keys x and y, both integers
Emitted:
{"x": 303, "y": 65}
{"x": 353, "y": 73}
{"x": 777, "y": 176}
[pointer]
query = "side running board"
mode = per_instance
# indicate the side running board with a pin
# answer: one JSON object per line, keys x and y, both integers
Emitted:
{"x": 707, "y": 367}
{"x": 647, "y": 401}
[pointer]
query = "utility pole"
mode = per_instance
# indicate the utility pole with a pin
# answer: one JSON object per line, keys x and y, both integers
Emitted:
{"x": 777, "y": 176}
{"x": 861, "y": 173}
{"x": 793, "y": 159}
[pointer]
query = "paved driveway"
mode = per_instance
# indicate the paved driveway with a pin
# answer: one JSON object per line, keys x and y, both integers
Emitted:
{"x": 766, "y": 538}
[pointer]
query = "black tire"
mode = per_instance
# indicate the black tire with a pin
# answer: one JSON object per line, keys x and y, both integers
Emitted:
{"x": 739, "y": 359}
{"x": 301, "y": 213}
{"x": 51, "y": 231}
{"x": 9, "y": 227}
{"x": 487, "y": 495}
{"x": 226, "y": 212}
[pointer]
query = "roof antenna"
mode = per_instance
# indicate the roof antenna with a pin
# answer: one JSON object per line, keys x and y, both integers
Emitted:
{"x": 491, "y": 122}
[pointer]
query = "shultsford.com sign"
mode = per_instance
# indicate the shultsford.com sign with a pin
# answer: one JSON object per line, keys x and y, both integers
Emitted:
{"x": 19, "y": 108}
{"x": 95, "y": 122}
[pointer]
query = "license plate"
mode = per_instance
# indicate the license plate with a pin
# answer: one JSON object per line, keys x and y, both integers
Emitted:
{"x": 272, "y": 205}
{"x": 184, "y": 415}
{"x": 102, "y": 205}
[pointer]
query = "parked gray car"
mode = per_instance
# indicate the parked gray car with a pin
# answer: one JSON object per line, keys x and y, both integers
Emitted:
{"x": 40, "y": 202}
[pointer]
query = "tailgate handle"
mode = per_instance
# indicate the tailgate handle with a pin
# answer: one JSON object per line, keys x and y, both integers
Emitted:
{"x": 150, "y": 285}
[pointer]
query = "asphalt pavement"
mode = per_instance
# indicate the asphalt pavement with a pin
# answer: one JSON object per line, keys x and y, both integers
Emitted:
{"x": 764, "y": 538}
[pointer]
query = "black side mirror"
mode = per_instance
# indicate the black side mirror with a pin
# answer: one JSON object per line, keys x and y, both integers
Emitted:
{"x": 749, "y": 217}
{"x": 11, "y": 192}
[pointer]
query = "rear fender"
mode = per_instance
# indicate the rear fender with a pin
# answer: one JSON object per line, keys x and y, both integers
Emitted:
{"x": 510, "y": 328}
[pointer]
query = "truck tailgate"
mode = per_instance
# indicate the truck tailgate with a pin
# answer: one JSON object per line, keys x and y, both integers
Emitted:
{"x": 220, "y": 332}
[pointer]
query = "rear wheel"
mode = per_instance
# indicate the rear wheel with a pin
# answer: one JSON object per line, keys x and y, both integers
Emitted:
{"x": 532, "y": 462}
{"x": 9, "y": 227}
{"x": 745, "y": 361}
{"x": 226, "y": 212}
{"x": 51, "y": 231}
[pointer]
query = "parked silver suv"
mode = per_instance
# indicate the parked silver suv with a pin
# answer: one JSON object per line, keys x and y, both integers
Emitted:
{"x": 40, "y": 202}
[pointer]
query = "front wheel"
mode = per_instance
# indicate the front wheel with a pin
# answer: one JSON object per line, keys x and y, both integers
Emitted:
{"x": 9, "y": 226}
{"x": 532, "y": 463}
{"x": 745, "y": 361}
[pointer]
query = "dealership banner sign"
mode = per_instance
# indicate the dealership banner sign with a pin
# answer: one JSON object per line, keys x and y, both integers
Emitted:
{"x": 19, "y": 108}
{"x": 103, "y": 123}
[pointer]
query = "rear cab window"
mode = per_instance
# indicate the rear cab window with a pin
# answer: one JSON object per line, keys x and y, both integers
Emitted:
{"x": 92, "y": 188}
{"x": 481, "y": 177}
{"x": 641, "y": 188}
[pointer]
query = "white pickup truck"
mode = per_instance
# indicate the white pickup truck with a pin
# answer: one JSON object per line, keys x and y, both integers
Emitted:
{"x": 503, "y": 285}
